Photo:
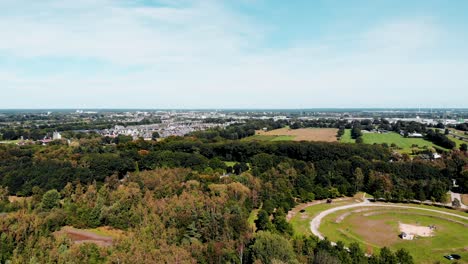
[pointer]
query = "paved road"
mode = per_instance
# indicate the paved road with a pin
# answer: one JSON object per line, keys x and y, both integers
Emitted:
{"x": 315, "y": 223}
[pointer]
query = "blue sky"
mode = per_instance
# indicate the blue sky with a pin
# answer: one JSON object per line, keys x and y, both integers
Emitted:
{"x": 233, "y": 54}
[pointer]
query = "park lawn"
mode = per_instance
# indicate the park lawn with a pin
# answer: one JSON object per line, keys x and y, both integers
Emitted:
{"x": 371, "y": 231}
{"x": 404, "y": 144}
{"x": 346, "y": 138}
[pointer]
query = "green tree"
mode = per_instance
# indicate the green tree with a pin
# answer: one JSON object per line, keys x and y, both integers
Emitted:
{"x": 386, "y": 256}
{"x": 358, "y": 179}
{"x": 281, "y": 225}
{"x": 357, "y": 255}
{"x": 155, "y": 135}
{"x": 464, "y": 147}
{"x": 50, "y": 199}
{"x": 404, "y": 257}
{"x": 269, "y": 247}
{"x": 263, "y": 221}
{"x": 3, "y": 194}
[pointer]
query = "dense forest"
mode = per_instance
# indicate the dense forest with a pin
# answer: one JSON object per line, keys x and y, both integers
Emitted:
{"x": 187, "y": 199}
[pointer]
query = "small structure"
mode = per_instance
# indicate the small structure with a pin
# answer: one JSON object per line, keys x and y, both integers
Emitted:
{"x": 406, "y": 236}
{"x": 56, "y": 136}
{"x": 415, "y": 135}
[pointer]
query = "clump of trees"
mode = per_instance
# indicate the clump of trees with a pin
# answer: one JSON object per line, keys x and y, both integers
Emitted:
{"x": 440, "y": 139}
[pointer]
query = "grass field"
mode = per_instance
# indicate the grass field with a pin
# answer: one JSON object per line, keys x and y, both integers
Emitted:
{"x": 404, "y": 144}
{"x": 301, "y": 221}
{"x": 9, "y": 141}
{"x": 346, "y": 138}
{"x": 306, "y": 134}
{"x": 374, "y": 228}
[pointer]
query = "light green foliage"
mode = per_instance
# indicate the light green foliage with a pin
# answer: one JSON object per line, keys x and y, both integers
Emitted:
{"x": 50, "y": 199}
{"x": 269, "y": 247}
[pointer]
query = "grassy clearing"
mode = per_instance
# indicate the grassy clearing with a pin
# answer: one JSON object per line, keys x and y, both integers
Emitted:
{"x": 457, "y": 140}
{"x": 230, "y": 163}
{"x": 346, "y": 138}
{"x": 252, "y": 218}
{"x": 378, "y": 227}
{"x": 301, "y": 221}
{"x": 404, "y": 144}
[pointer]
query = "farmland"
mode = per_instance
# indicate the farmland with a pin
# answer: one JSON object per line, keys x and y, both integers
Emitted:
{"x": 302, "y": 134}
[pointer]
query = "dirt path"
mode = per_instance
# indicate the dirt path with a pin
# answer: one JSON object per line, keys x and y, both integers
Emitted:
{"x": 79, "y": 236}
{"x": 457, "y": 196}
{"x": 315, "y": 223}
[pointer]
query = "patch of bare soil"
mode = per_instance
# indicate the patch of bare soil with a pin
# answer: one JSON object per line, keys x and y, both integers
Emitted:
{"x": 374, "y": 231}
{"x": 79, "y": 236}
{"x": 422, "y": 231}
{"x": 340, "y": 218}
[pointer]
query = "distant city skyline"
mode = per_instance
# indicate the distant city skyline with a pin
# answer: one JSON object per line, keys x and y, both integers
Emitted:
{"x": 246, "y": 54}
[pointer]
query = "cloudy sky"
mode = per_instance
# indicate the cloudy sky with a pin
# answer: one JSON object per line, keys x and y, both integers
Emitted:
{"x": 233, "y": 53}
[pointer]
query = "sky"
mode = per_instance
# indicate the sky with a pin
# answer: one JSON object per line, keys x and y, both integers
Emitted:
{"x": 233, "y": 54}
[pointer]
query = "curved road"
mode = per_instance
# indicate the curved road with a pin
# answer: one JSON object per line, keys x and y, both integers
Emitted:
{"x": 315, "y": 223}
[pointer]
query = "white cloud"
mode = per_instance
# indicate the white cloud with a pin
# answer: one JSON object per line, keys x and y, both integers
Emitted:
{"x": 199, "y": 54}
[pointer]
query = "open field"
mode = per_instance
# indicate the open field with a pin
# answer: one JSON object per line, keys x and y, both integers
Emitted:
{"x": 346, "y": 138}
{"x": 269, "y": 138}
{"x": 306, "y": 134}
{"x": 404, "y": 144}
{"x": 374, "y": 228}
